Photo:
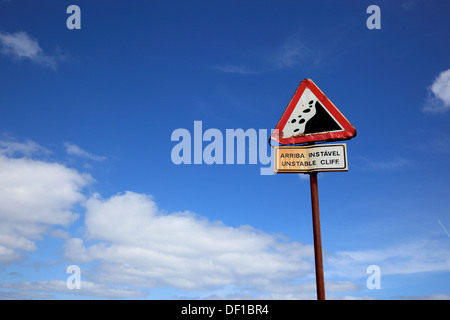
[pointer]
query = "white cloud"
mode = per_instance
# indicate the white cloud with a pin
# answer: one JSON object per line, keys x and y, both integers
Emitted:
{"x": 438, "y": 100}
{"x": 290, "y": 54}
{"x": 127, "y": 241}
{"x": 421, "y": 255}
{"x": 37, "y": 191}
{"x": 7, "y": 255}
{"x": 34, "y": 196}
{"x": 137, "y": 244}
{"x": 303, "y": 176}
{"x": 75, "y": 150}
{"x": 287, "y": 291}
{"x": 42, "y": 288}
{"x": 134, "y": 243}
{"x": 10, "y": 147}
{"x": 20, "y": 46}
{"x": 438, "y": 296}
{"x": 394, "y": 163}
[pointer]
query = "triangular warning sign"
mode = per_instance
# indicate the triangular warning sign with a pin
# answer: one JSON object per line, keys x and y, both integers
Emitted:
{"x": 311, "y": 117}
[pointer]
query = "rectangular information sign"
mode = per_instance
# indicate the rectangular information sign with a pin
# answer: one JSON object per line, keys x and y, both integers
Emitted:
{"x": 301, "y": 159}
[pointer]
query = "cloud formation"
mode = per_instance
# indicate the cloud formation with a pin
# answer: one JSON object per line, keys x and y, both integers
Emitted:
{"x": 438, "y": 100}
{"x": 11, "y": 147}
{"x": 73, "y": 149}
{"x": 137, "y": 244}
{"x": 129, "y": 239}
{"x": 46, "y": 289}
{"x": 125, "y": 245}
{"x": 20, "y": 46}
{"x": 371, "y": 164}
{"x": 290, "y": 54}
{"x": 34, "y": 197}
{"x": 419, "y": 255}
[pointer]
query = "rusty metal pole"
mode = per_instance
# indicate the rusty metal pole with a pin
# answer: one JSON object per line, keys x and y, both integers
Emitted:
{"x": 320, "y": 281}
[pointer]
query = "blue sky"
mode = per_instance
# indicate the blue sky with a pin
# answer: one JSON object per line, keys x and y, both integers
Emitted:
{"x": 87, "y": 178}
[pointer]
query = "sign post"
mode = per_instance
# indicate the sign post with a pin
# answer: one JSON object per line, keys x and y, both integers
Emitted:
{"x": 311, "y": 117}
{"x": 318, "y": 260}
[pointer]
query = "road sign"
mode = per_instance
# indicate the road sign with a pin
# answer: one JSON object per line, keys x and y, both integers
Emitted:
{"x": 315, "y": 158}
{"x": 311, "y": 117}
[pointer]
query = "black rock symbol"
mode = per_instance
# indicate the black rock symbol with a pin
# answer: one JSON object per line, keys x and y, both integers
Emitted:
{"x": 321, "y": 121}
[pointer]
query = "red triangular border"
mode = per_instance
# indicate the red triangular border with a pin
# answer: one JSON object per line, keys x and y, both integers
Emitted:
{"x": 348, "y": 132}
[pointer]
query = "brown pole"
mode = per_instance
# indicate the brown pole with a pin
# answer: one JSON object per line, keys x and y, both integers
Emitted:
{"x": 320, "y": 282}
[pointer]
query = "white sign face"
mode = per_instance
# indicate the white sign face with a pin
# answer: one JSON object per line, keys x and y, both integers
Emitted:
{"x": 303, "y": 159}
{"x": 309, "y": 116}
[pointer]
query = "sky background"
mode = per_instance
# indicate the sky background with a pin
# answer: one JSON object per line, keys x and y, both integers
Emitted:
{"x": 87, "y": 179}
